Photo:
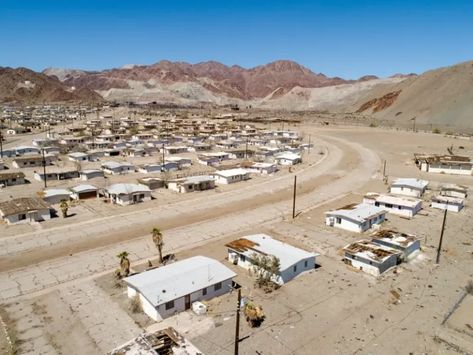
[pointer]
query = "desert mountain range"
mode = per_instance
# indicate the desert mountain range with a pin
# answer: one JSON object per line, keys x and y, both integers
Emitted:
{"x": 442, "y": 96}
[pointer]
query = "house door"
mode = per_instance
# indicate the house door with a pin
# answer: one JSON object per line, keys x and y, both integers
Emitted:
{"x": 188, "y": 301}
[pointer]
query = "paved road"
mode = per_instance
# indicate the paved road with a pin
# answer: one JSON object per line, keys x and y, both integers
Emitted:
{"x": 346, "y": 167}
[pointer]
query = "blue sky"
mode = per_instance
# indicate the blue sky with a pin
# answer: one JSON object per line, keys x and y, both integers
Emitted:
{"x": 338, "y": 37}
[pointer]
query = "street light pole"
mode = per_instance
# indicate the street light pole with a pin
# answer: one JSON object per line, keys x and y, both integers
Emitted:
{"x": 44, "y": 168}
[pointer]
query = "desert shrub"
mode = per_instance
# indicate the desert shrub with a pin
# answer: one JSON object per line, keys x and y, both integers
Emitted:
{"x": 436, "y": 131}
{"x": 135, "y": 304}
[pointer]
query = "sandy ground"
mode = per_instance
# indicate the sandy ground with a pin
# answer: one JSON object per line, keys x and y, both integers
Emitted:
{"x": 53, "y": 282}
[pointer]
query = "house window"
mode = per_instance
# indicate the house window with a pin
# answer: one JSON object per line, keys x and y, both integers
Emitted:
{"x": 376, "y": 204}
{"x": 242, "y": 257}
{"x": 305, "y": 263}
{"x": 169, "y": 305}
{"x": 339, "y": 220}
{"x": 217, "y": 286}
{"x": 204, "y": 291}
{"x": 388, "y": 205}
{"x": 399, "y": 207}
{"x": 21, "y": 216}
{"x": 294, "y": 268}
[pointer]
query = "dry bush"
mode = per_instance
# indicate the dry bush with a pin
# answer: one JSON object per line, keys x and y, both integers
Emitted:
{"x": 469, "y": 287}
{"x": 135, "y": 304}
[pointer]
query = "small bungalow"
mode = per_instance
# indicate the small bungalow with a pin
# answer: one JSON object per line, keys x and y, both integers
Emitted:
{"x": 13, "y": 178}
{"x": 82, "y": 192}
{"x": 175, "y": 149}
{"x": 170, "y": 289}
{"x": 152, "y": 182}
{"x": 453, "y": 190}
{"x": 371, "y": 258}
{"x": 288, "y": 158}
{"x": 444, "y": 164}
{"x": 128, "y": 194}
{"x": 355, "y": 217}
{"x": 24, "y": 210}
{"x": 117, "y": 168}
{"x": 292, "y": 261}
{"x": 262, "y": 168}
{"x": 90, "y": 174}
{"x": 231, "y": 176}
{"x": 408, "y": 244}
{"x": 192, "y": 183}
{"x": 56, "y": 174}
{"x": 402, "y": 206}
{"x": 32, "y": 161}
{"x": 454, "y": 204}
{"x": 78, "y": 157}
{"x": 181, "y": 162}
{"x": 55, "y": 196}
{"x": 408, "y": 187}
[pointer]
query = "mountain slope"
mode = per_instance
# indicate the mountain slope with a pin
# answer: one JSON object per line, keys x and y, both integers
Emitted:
{"x": 231, "y": 81}
{"x": 26, "y": 86}
{"x": 441, "y": 96}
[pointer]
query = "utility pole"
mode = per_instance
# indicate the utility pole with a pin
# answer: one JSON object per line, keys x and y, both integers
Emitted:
{"x": 162, "y": 165}
{"x": 237, "y": 323}
{"x": 294, "y": 198}
{"x": 309, "y": 146}
{"x": 1, "y": 145}
{"x": 44, "y": 168}
{"x": 246, "y": 148}
{"x": 441, "y": 235}
{"x": 413, "y": 124}
{"x": 384, "y": 169}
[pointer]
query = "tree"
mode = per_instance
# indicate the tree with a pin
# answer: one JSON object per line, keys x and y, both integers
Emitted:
{"x": 64, "y": 208}
{"x": 124, "y": 263}
{"x": 265, "y": 267}
{"x": 158, "y": 241}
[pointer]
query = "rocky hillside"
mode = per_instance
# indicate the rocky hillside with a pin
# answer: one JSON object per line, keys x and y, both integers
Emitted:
{"x": 26, "y": 86}
{"x": 207, "y": 79}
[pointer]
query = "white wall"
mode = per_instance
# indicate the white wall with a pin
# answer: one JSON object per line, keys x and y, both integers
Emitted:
{"x": 449, "y": 206}
{"x": 406, "y": 191}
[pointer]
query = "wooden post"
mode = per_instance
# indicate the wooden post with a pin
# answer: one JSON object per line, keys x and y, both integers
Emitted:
{"x": 237, "y": 323}
{"x": 44, "y": 168}
{"x": 294, "y": 198}
{"x": 384, "y": 169}
{"x": 441, "y": 235}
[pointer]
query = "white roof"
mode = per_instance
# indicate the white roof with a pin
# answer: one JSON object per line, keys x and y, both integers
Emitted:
{"x": 393, "y": 200}
{"x": 55, "y": 192}
{"x": 262, "y": 165}
{"x": 84, "y": 188}
{"x": 447, "y": 199}
{"x": 411, "y": 182}
{"x": 125, "y": 189}
{"x": 114, "y": 164}
{"x": 231, "y": 172}
{"x": 288, "y": 156}
{"x": 78, "y": 155}
{"x": 196, "y": 179}
{"x": 90, "y": 171}
{"x": 178, "y": 279}
{"x": 286, "y": 253}
{"x": 358, "y": 213}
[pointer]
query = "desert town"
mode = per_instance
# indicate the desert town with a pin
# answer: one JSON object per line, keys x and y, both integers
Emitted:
{"x": 131, "y": 230}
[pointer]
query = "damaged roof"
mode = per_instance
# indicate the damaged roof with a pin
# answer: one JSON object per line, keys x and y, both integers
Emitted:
{"x": 22, "y": 205}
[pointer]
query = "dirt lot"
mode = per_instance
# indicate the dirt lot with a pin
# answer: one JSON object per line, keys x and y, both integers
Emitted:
{"x": 58, "y": 303}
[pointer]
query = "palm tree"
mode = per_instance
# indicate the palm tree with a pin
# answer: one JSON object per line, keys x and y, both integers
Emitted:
{"x": 158, "y": 241}
{"x": 124, "y": 263}
{"x": 64, "y": 208}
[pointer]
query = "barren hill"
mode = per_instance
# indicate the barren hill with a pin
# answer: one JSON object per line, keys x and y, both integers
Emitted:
{"x": 26, "y": 86}
{"x": 210, "y": 78}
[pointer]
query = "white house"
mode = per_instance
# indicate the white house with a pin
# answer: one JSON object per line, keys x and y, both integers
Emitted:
{"x": 453, "y": 190}
{"x": 24, "y": 210}
{"x": 402, "y": 206}
{"x": 288, "y": 158}
{"x": 293, "y": 261}
{"x": 262, "y": 168}
{"x": 170, "y": 289}
{"x": 369, "y": 257}
{"x": 55, "y": 195}
{"x": 128, "y": 194}
{"x": 445, "y": 164}
{"x": 82, "y": 192}
{"x": 78, "y": 156}
{"x": 408, "y": 244}
{"x": 181, "y": 162}
{"x": 192, "y": 183}
{"x": 408, "y": 187}
{"x": 454, "y": 204}
{"x": 90, "y": 174}
{"x": 231, "y": 176}
{"x": 356, "y": 217}
{"x": 13, "y": 178}
{"x": 116, "y": 168}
